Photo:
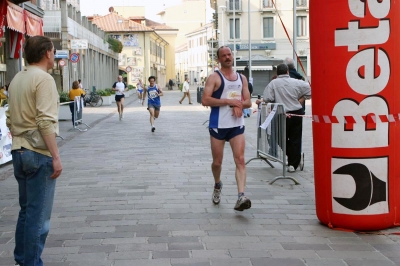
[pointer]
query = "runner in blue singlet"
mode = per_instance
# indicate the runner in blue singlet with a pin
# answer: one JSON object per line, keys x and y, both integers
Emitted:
{"x": 153, "y": 91}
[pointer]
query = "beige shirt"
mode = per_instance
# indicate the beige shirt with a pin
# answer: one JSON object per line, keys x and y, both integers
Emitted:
{"x": 33, "y": 104}
{"x": 288, "y": 91}
{"x": 185, "y": 87}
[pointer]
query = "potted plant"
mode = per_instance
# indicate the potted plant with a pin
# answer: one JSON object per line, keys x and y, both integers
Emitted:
{"x": 106, "y": 95}
{"x": 112, "y": 94}
{"x": 64, "y": 113}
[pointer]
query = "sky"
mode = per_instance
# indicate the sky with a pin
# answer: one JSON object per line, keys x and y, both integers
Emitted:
{"x": 100, "y": 7}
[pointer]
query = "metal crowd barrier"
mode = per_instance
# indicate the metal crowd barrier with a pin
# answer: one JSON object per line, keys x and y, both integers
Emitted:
{"x": 271, "y": 142}
{"x": 78, "y": 111}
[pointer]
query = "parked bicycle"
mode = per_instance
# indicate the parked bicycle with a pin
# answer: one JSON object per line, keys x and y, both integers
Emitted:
{"x": 93, "y": 99}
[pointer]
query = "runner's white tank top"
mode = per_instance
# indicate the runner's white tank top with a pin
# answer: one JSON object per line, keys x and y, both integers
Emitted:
{"x": 221, "y": 116}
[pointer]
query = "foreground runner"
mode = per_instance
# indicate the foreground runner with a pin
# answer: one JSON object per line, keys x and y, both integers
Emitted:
{"x": 120, "y": 87}
{"x": 154, "y": 103}
{"x": 227, "y": 93}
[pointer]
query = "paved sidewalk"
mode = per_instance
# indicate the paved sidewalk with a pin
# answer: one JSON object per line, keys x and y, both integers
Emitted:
{"x": 131, "y": 197}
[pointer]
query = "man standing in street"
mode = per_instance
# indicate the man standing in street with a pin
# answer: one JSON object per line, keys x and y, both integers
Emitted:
{"x": 33, "y": 107}
{"x": 227, "y": 93}
{"x": 154, "y": 103}
{"x": 185, "y": 90}
{"x": 292, "y": 93}
{"x": 120, "y": 87}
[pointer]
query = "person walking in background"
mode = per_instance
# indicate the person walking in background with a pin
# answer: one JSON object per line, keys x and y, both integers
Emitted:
{"x": 291, "y": 93}
{"x": 120, "y": 87}
{"x": 75, "y": 91}
{"x": 186, "y": 91}
{"x": 33, "y": 108}
{"x": 140, "y": 87}
{"x": 170, "y": 84}
{"x": 154, "y": 92}
{"x": 227, "y": 93}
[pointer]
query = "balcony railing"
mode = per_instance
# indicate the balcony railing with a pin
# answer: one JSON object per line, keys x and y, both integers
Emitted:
{"x": 237, "y": 3}
{"x": 52, "y": 28}
{"x": 301, "y": 3}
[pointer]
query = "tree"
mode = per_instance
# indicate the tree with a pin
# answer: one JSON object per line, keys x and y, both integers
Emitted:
{"x": 115, "y": 45}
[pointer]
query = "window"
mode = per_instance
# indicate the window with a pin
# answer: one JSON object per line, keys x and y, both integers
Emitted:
{"x": 268, "y": 3}
{"x": 268, "y": 27}
{"x": 237, "y": 29}
{"x": 303, "y": 60}
{"x": 237, "y": 4}
{"x": 301, "y": 26}
{"x": 301, "y": 3}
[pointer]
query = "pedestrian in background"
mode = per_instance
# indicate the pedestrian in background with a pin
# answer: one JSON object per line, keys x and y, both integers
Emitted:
{"x": 33, "y": 110}
{"x": 186, "y": 91}
{"x": 292, "y": 70}
{"x": 75, "y": 91}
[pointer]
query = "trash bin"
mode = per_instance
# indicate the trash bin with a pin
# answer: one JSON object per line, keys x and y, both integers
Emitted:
{"x": 199, "y": 94}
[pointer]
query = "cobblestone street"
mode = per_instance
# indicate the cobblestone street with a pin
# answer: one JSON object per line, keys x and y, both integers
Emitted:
{"x": 128, "y": 196}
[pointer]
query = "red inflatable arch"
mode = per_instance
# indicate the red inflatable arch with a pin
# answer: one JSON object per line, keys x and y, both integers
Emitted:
{"x": 356, "y": 105}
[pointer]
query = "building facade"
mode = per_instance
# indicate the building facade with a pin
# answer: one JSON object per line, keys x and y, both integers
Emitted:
{"x": 181, "y": 63}
{"x": 166, "y": 32}
{"x": 55, "y": 4}
{"x": 144, "y": 51}
{"x": 82, "y": 50}
{"x": 187, "y": 16}
{"x": 269, "y": 42}
{"x": 199, "y": 55}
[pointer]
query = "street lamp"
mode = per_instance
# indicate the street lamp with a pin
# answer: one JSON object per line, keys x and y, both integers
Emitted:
{"x": 223, "y": 8}
{"x": 212, "y": 47}
{"x": 206, "y": 51}
{"x": 234, "y": 35}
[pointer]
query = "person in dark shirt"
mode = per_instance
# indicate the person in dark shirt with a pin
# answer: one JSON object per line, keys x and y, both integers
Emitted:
{"x": 292, "y": 70}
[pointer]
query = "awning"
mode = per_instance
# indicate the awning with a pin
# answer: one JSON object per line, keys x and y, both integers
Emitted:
{"x": 3, "y": 14}
{"x": 15, "y": 18}
{"x": 255, "y": 68}
{"x": 34, "y": 24}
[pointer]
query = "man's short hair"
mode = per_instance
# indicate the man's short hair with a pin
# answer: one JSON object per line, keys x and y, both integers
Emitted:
{"x": 282, "y": 69}
{"x": 36, "y": 48}
{"x": 224, "y": 46}
{"x": 289, "y": 62}
{"x": 152, "y": 77}
{"x": 79, "y": 80}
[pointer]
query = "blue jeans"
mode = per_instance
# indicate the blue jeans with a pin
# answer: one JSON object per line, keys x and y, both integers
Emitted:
{"x": 36, "y": 193}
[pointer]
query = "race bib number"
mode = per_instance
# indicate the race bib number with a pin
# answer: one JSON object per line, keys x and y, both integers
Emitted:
{"x": 153, "y": 94}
